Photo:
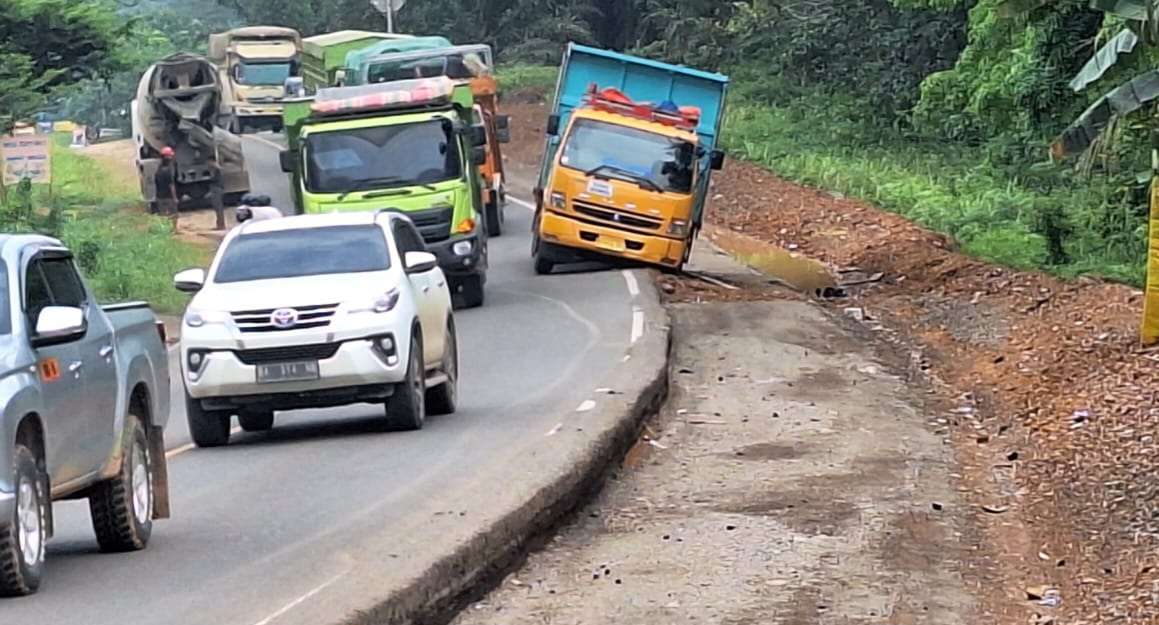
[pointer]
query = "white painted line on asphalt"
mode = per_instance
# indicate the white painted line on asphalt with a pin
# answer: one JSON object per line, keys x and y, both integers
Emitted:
{"x": 637, "y": 323}
{"x": 524, "y": 203}
{"x": 177, "y": 451}
{"x": 296, "y": 602}
{"x": 586, "y": 406}
{"x": 633, "y": 286}
{"x": 555, "y": 430}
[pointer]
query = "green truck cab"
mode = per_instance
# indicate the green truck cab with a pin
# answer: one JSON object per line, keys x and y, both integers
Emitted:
{"x": 410, "y": 146}
{"x": 324, "y": 56}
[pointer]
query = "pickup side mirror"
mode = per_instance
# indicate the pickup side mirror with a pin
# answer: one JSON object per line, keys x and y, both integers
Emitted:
{"x": 717, "y": 160}
{"x": 286, "y": 160}
{"x": 420, "y": 262}
{"x": 189, "y": 281}
{"x": 59, "y": 324}
{"x": 553, "y": 125}
{"x": 479, "y": 155}
{"x": 478, "y": 135}
{"x": 503, "y": 128}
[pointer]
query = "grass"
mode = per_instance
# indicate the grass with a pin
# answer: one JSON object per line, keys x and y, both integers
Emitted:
{"x": 124, "y": 253}
{"x": 527, "y": 80}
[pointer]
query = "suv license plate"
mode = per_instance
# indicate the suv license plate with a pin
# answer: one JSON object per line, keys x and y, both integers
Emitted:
{"x": 288, "y": 372}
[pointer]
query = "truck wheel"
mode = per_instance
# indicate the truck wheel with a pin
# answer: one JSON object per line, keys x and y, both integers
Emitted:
{"x": 208, "y": 428}
{"x": 22, "y": 537}
{"x": 443, "y": 398}
{"x": 258, "y": 421}
{"x": 406, "y": 409}
{"x": 472, "y": 295}
{"x": 122, "y": 507}
{"x": 543, "y": 264}
{"x": 494, "y": 218}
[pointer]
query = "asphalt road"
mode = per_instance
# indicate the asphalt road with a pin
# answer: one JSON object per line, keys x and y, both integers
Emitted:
{"x": 263, "y": 531}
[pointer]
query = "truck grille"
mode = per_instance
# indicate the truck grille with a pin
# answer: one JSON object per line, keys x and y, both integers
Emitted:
{"x": 318, "y": 316}
{"x": 434, "y": 224}
{"x": 615, "y": 216}
{"x": 319, "y": 351}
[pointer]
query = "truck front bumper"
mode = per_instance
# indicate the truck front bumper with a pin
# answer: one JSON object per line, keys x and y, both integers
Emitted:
{"x": 585, "y": 240}
{"x": 456, "y": 259}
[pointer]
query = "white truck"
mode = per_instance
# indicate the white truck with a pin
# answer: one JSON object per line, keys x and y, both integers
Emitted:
{"x": 316, "y": 311}
{"x": 254, "y": 64}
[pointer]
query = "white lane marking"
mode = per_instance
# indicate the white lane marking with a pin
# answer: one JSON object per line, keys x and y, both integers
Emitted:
{"x": 296, "y": 602}
{"x": 637, "y": 323}
{"x": 265, "y": 141}
{"x": 177, "y": 451}
{"x": 524, "y": 203}
{"x": 633, "y": 286}
{"x": 586, "y": 406}
{"x": 555, "y": 430}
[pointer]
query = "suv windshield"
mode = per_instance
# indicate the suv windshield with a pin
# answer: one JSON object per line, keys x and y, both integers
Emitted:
{"x": 263, "y": 74}
{"x": 381, "y": 157}
{"x": 624, "y": 152}
{"x": 305, "y": 252}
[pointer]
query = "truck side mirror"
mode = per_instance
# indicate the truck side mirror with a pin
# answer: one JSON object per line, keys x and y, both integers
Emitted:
{"x": 59, "y": 324}
{"x": 553, "y": 125}
{"x": 479, "y": 155}
{"x": 286, "y": 160}
{"x": 478, "y": 135}
{"x": 503, "y": 128}
{"x": 717, "y": 160}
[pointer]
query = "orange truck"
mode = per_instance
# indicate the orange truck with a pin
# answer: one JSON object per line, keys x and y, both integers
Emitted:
{"x": 630, "y": 152}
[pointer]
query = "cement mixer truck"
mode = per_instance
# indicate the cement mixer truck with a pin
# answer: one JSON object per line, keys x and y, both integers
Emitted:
{"x": 179, "y": 105}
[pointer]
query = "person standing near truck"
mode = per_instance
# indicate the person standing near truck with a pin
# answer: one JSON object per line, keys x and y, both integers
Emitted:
{"x": 217, "y": 194}
{"x": 165, "y": 182}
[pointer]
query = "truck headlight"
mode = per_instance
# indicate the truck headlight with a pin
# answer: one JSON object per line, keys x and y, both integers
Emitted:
{"x": 198, "y": 318}
{"x": 558, "y": 200}
{"x": 462, "y": 248}
{"x": 383, "y": 303}
{"x": 678, "y": 227}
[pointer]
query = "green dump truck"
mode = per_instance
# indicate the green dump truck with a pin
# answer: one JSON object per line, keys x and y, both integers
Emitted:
{"x": 411, "y": 146}
{"x": 324, "y": 56}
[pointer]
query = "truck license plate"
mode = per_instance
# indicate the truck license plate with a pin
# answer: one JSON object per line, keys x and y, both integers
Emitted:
{"x": 288, "y": 372}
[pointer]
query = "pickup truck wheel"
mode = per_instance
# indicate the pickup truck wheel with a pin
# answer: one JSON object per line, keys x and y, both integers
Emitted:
{"x": 122, "y": 507}
{"x": 494, "y": 217}
{"x": 443, "y": 398}
{"x": 22, "y": 537}
{"x": 260, "y": 421}
{"x": 406, "y": 408}
{"x": 472, "y": 295}
{"x": 208, "y": 428}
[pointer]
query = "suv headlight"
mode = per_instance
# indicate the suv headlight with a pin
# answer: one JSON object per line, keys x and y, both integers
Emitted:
{"x": 198, "y": 318}
{"x": 383, "y": 303}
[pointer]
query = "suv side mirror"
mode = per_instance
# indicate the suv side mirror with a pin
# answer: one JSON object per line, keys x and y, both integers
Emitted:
{"x": 717, "y": 160}
{"x": 59, "y": 324}
{"x": 478, "y": 135}
{"x": 479, "y": 155}
{"x": 189, "y": 281}
{"x": 420, "y": 262}
{"x": 503, "y": 128}
{"x": 553, "y": 125}
{"x": 286, "y": 160}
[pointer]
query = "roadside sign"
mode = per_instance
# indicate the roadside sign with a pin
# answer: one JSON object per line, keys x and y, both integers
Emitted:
{"x": 26, "y": 156}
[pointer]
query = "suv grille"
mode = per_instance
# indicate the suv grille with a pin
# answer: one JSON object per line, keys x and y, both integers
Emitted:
{"x": 615, "y": 216}
{"x": 261, "y": 320}
{"x": 319, "y": 351}
{"x": 434, "y": 224}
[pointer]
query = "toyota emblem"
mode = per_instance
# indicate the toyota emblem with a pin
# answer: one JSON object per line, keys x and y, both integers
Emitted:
{"x": 284, "y": 318}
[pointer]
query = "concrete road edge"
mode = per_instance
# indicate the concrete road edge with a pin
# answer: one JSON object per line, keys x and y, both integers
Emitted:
{"x": 453, "y": 575}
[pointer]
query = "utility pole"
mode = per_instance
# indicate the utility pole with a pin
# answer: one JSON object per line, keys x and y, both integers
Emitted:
{"x": 387, "y": 8}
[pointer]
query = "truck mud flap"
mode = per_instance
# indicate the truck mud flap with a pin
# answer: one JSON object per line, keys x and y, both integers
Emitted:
{"x": 160, "y": 473}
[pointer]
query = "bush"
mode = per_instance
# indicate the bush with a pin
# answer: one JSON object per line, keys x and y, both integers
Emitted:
{"x": 527, "y": 81}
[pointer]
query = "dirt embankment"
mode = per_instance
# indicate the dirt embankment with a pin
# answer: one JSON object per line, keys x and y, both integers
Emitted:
{"x": 1052, "y": 407}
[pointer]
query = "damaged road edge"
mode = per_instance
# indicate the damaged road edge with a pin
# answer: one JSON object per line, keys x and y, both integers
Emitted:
{"x": 476, "y": 565}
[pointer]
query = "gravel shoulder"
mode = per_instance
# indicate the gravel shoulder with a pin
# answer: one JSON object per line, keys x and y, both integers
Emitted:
{"x": 791, "y": 478}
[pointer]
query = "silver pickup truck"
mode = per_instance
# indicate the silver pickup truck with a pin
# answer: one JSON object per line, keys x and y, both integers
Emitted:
{"x": 84, "y": 398}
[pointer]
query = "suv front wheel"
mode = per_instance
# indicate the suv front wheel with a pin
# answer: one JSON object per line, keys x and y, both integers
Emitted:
{"x": 406, "y": 408}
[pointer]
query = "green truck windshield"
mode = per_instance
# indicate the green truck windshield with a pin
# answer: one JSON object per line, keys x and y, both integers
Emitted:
{"x": 304, "y": 252}
{"x": 665, "y": 161}
{"x": 381, "y": 157}
{"x": 263, "y": 74}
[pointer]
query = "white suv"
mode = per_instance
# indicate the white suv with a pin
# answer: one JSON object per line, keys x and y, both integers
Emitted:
{"x": 316, "y": 311}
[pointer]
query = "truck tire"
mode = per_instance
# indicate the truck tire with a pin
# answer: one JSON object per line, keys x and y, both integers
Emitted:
{"x": 208, "y": 428}
{"x": 443, "y": 398}
{"x": 543, "y": 264}
{"x": 256, "y": 421}
{"x": 406, "y": 408}
{"x": 472, "y": 294}
{"x": 122, "y": 506}
{"x": 22, "y": 537}
{"x": 494, "y": 217}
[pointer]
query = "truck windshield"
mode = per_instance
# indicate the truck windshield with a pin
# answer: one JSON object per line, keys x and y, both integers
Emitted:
{"x": 622, "y": 151}
{"x": 5, "y": 320}
{"x": 304, "y": 252}
{"x": 381, "y": 157}
{"x": 263, "y": 74}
